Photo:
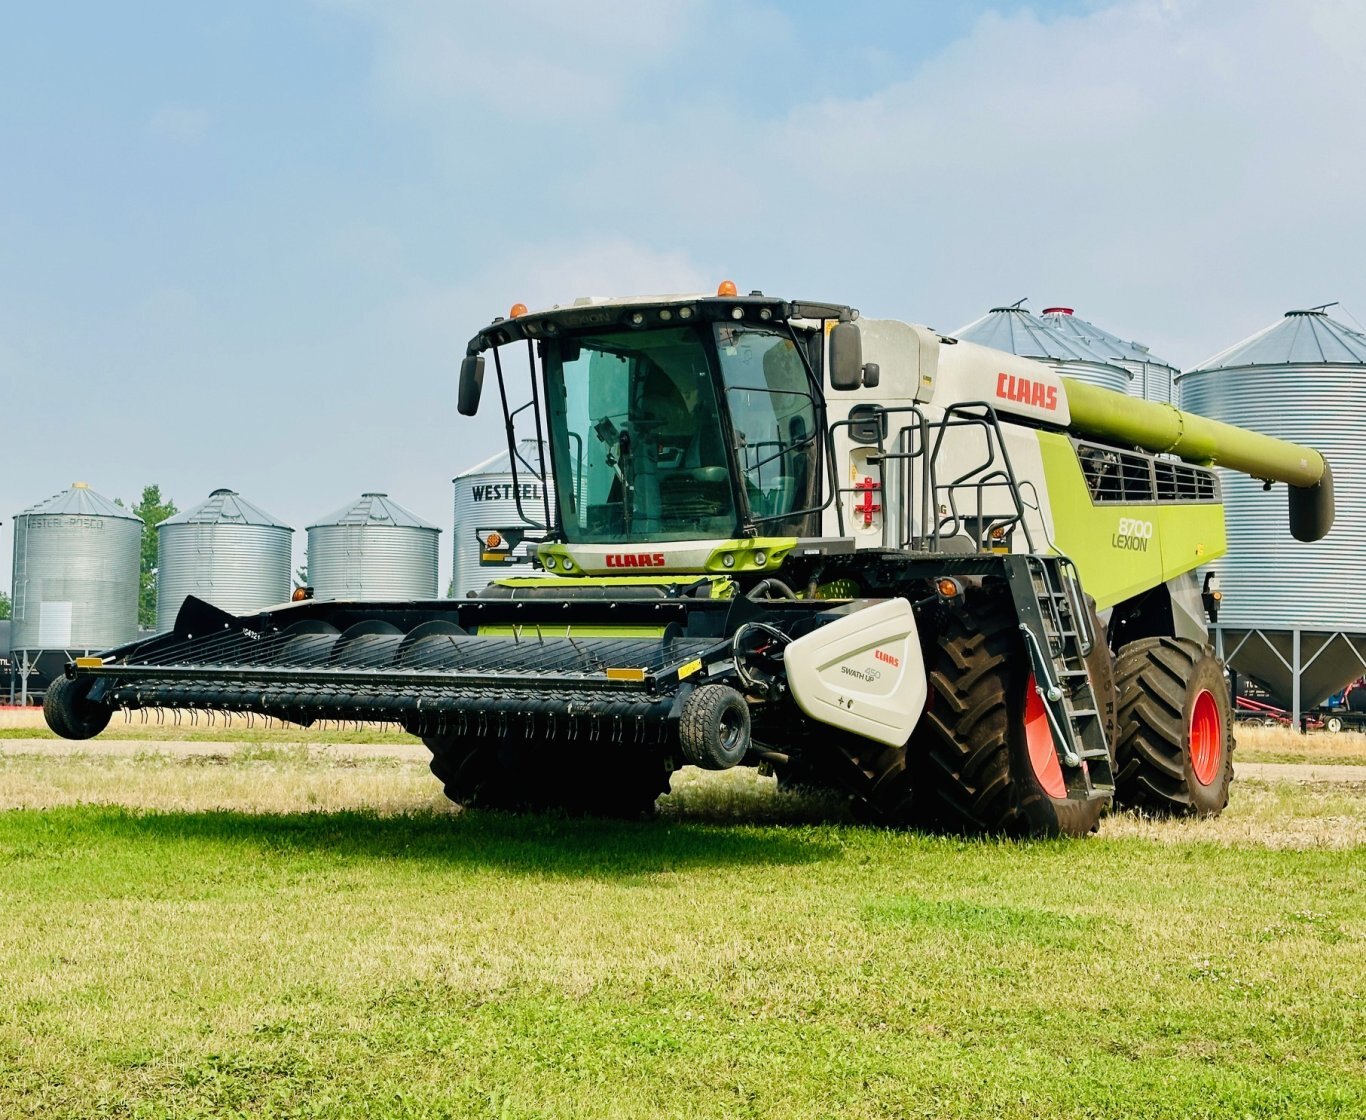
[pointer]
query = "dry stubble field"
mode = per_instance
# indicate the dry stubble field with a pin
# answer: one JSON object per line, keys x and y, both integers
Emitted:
{"x": 217, "y": 922}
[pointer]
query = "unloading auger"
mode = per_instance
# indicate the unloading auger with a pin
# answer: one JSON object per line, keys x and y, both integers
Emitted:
{"x": 856, "y": 553}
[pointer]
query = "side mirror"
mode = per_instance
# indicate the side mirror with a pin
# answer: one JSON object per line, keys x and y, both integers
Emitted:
{"x": 846, "y": 356}
{"x": 872, "y": 374}
{"x": 471, "y": 384}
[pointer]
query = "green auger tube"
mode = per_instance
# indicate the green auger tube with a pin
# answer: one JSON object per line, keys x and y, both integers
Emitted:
{"x": 1162, "y": 428}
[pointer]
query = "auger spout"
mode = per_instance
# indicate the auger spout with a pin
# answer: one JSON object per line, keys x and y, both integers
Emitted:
{"x": 1162, "y": 428}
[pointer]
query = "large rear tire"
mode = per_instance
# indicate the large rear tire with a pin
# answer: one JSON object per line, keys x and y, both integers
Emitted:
{"x": 971, "y": 768}
{"x": 1175, "y": 751}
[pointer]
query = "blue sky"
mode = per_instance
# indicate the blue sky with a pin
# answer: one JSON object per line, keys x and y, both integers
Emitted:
{"x": 244, "y": 244}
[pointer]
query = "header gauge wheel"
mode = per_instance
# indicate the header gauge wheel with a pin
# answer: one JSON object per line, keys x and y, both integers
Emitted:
{"x": 69, "y": 713}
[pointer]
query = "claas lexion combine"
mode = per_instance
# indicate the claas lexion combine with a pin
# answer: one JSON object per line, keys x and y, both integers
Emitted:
{"x": 858, "y": 553}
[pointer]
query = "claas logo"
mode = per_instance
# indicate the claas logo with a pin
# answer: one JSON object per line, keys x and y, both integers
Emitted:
{"x": 1036, "y": 394}
{"x": 635, "y": 560}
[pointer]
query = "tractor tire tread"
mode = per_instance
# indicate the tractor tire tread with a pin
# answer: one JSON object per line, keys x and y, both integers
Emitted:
{"x": 1152, "y": 766}
{"x": 961, "y": 755}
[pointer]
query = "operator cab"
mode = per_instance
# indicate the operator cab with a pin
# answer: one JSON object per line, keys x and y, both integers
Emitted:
{"x": 676, "y": 419}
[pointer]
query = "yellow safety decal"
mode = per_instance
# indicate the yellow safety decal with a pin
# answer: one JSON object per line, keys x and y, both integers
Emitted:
{"x": 689, "y": 669}
{"x": 89, "y": 662}
{"x": 625, "y": 674}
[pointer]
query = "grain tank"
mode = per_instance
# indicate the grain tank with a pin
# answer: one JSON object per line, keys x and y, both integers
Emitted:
{"x": 1293, "y": 615}
{"x": 225, "y": 551}
{"x": 487, "y": 501}
{"x": 373, "y": 548}
{"x": 77, "y": 558}
{"x": 1017, "y": 331}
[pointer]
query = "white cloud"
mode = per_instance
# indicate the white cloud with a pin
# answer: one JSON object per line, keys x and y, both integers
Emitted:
{"x": 440, "y": 319}
{"x": 180, "y": 124}
{"x": 528, "y": 60}
{"x": 1181, "y": 174}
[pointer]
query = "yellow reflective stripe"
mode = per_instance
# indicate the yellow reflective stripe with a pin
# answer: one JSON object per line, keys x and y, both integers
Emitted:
{"x": 625, "y": 674}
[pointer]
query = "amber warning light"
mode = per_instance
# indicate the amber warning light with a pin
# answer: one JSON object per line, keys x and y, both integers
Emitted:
{"x": 727, "y": 288}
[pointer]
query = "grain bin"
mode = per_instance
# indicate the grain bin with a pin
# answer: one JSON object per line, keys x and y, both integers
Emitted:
{"x": 1153, "y": 379}
{"x": 373, "y": 549}
{"x": 1293, "y": 615}
{"x": 77, "y": 563}
{"x": 225, "y": 551}
{"x": 486, "y": 500}
{"x": 1017, "y": 331}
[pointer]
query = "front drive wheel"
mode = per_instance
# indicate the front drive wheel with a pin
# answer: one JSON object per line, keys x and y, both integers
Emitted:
{"x": 1174, "y": 756}
{"x": 982, "y": 759}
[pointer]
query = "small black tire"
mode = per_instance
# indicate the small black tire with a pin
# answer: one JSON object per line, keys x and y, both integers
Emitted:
{"x": 713, "y": 731}
{"x": 1174, "y": 755}
{"x": 1333, "y": 724}
{"x": 68, "y": 711}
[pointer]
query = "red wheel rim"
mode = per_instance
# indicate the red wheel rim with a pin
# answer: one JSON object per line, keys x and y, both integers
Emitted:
{"x": 1206, "y": 742}
{"x": 1043, "y": 759}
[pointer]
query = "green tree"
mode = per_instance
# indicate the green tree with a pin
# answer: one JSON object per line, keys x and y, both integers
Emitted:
{"x": 4, "y": 605}
{"x": 153, "y": 510}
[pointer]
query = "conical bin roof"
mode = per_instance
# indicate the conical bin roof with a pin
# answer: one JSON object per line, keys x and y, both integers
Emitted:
{"x": 79, "y": 501}
{"x": 1017, "y": 331}
{"x": 1301, "y": 338}
{"x": 226, "y": 507}
{"x": 374, "y": 509}
{"x": 1096, "y": 340}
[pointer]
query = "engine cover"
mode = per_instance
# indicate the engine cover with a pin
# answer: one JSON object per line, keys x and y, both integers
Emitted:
{"x": 863, "y": 673}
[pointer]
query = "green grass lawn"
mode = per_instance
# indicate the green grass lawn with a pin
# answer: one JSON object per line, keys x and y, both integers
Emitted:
{"x": 417, "y": 961}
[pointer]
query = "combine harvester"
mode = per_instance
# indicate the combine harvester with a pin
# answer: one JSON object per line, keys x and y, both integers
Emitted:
{"x": 855, "y": 552}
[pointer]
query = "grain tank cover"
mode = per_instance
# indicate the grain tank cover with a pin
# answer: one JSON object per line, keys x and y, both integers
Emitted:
{"x": 225, "y": 551}
{"x": 373, "y": 548}
{"x": 1017, "y": 331}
